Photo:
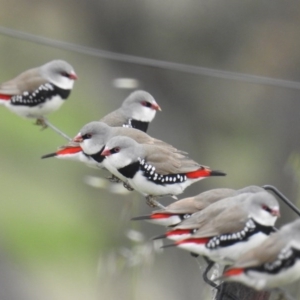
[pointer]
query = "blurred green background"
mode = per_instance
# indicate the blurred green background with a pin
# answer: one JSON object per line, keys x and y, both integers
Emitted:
{"x": 62, "y": 239}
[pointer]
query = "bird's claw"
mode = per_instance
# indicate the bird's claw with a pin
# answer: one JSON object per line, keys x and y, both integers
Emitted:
{"x": 128, "y": 187}
{"x": 41, "y": 122}
{"x": 151, "y": 201}
{"x": 114, "y": 179}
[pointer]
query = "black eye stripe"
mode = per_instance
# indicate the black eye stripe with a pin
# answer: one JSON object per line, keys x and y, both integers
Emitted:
{"x": 146, "y": 103}
{"x": 266, "y": 208}
{"x": 115, "y": 150}
{"x": 65, "y": 74}
{"x": 86, "y": 136}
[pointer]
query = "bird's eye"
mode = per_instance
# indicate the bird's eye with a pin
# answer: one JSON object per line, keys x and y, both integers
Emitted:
{"x": 115, "y": 150}
{"x": 267, "y": 208}
{"x": 86, "y": 136}
{"x": 147, "y": 104}
{"x": 65, "y": 74}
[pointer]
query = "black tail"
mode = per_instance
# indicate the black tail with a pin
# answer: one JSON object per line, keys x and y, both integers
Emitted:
{"x": 162, "y": 236}
{"x": 49, "y": 155}
{"x": 147, "y": 217}
{"x": 217, "y": 173}
{"x": 167, "y": 246}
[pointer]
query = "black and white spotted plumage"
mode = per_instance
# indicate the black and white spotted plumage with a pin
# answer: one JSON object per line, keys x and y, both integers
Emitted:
{"x": 273, "y": 263}
{"x": 244, "y": 224}
{"x": 153, "y": 170}
{"x": 40, "y": 91}
{"x": 39, "y": 96}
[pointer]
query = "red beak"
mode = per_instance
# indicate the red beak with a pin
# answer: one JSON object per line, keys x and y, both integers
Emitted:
{"x": 275, "y": 212}
{"x": 78, "y": 139}
{"x": 106, "y": 152}
{"x": 73, "y": 76}
{"x": 156, "y": 107}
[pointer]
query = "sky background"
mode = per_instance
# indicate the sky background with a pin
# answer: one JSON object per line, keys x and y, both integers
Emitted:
{"x": 63, "y": 239}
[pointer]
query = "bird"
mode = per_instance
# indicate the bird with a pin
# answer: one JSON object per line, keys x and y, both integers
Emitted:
{"x": 153, "y": 170}
{"x": 238, "y": 228}
{"x": 190, "y": 225}
{"x": 183, "y": 209}
{"x": 273, "y": 263}
{"x": 136, "y": 111}
{"x": 40, "y": 91}
{"x": 93, "y": 136}
{"x": 91, "y": 140}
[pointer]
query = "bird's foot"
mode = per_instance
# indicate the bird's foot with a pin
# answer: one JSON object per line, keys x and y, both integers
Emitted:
{"x": 151, "y": 201}
{"x": 114, "y": 179}
{"x": 128, "y": 187}
{"x": 41, "y": 122}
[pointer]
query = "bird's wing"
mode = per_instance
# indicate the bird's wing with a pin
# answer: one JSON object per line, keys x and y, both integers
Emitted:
{"x": 169, "y": 161}
{"x": 264, "y": 253}
{"x": 231, "y": 220}
{"x": 186, "y": 205}
{"x": 27, "y": 81}
{"x": 114, "y": 119}
{"x": 204, "y": 199}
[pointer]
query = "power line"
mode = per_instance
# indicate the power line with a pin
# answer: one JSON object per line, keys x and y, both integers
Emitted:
{"x": 148, "y": 61}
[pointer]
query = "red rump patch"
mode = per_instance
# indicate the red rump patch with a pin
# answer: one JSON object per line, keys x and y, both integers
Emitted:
{"x": 5, "y": 97}
{"x": 69, "y": 150}
{"x": 160, "y": 216}
{"x": 199, "y": 173}
{"x": 194, "y": 241}
{"x": 178, "y": 232}
{"x": 233, "y": 272}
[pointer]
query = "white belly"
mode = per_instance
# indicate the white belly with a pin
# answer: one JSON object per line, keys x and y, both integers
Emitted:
{"x": 146, "y": 187}
{"x": 260, "y": 281}
{"x": 37, "y": 111}
{"x": 225, "y": 255}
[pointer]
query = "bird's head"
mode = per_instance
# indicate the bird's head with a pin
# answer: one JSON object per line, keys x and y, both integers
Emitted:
{"x": 60, "y": 73}
{"x": 92, "y": 137}
{"x": 140, "y": 106}
{"x": 121, "y": 151}
{"x": 263, "y": 208}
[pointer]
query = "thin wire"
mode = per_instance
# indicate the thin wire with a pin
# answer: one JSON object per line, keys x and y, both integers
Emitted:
{"x": 255, "y": 79}
{"x": 283, "y": 198}
{"x": 54, "y": 128}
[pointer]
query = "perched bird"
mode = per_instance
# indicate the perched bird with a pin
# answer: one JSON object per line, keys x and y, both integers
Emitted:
{"x": 190, "y": 225}
{"x": 181, "y": 210}
{"x": 153, "y": 170}
{"x": 273, "y": 263}
{"x": 39, "y": 91}
{"x": 136, "y": 111}
{"x": 240, "y": 227}
{"x": 90, "y": 141}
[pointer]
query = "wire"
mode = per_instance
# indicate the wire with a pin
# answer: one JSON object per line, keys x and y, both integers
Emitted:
{"x": 283, "y": 198}
{"x": 255, "y": 79}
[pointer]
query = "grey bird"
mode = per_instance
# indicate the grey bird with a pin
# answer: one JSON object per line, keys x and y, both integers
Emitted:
{"x": 183, "y": 209}
{"x": 240, "y": 227}
{"x": 273, "y": 263}
{"x": 39, "y": 91}
{"x": 210, "y": 204}
{"x": 137, "y": 111}
{"x": 90, "y": 141}
{"x": 153, "y": 170}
